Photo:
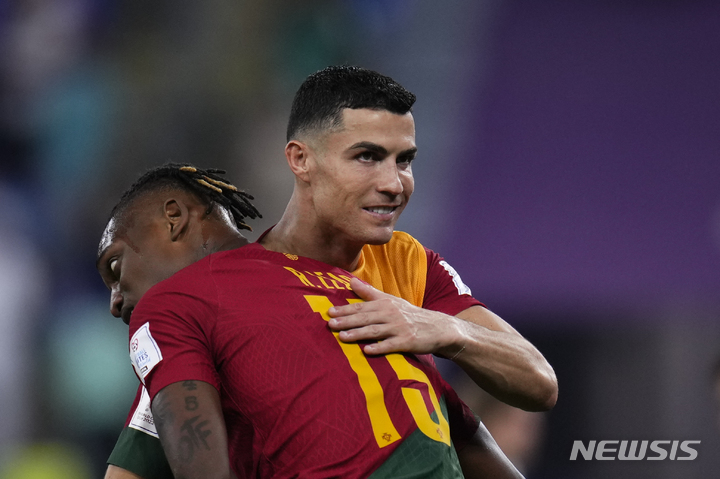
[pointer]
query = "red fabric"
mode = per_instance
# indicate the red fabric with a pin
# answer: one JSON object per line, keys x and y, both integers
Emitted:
{"x": 291, "y": 401}
{"x": 441, "y": 294}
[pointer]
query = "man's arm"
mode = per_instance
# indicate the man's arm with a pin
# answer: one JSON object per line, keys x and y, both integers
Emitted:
{"x": 190, "y": 423}
{"x": 114, "y": 472}
{"x": 138, "y": 452}
{"x": 481, "y": 458}
{"x": 490, "y": 351}
{"x": 502, "y": 362}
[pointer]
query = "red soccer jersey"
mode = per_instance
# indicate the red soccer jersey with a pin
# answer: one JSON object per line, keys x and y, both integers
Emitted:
{"x": 297, "y": 401}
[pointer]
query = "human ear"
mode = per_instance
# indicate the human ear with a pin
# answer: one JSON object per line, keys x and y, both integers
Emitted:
{"x": 177, "y": 216}
{"x": 297, "y": 154}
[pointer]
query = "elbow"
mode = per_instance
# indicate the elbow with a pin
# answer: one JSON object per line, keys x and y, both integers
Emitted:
{"x": 548, "y": 392}
{"x": 549, "y": 401}
{"x": 540, "y": 395}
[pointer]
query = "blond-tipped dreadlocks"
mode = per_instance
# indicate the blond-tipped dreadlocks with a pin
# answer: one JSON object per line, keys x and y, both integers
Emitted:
{"x": 208, "y": 185}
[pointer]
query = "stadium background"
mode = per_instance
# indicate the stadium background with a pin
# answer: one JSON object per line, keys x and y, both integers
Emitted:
{"x": 569, "y": 169}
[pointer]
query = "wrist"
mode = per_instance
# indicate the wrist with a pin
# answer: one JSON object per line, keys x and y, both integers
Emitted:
{"x": 456, "y": 341}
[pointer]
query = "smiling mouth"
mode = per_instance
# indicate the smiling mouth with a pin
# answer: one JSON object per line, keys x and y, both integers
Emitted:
{"x": 381, "y": 210}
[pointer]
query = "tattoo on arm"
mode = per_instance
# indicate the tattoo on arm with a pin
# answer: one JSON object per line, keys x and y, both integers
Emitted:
{"x": 189, "y": 385}
{"x": 193, "y": 437}
{"x": 191, "y": 402}
{"x": 191, "y": 428}
{"x": 162, "y": 412}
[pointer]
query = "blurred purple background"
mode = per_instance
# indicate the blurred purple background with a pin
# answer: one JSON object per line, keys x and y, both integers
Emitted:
{"x": 568, "y": 169}
{"x": 590, "y": 165}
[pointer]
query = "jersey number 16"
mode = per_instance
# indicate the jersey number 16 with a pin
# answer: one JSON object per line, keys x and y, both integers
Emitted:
{"x": 382, "y": 426}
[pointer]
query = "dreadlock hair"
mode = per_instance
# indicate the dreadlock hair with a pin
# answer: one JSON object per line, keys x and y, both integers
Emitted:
{"x": 323, "y": 95}
{"x": 207, "y": 185}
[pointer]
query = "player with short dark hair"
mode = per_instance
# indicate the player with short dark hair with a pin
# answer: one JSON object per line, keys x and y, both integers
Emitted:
{"x": 351, "y": 147}
{"x": 225, "y": 333}
{"x": 321, "y": 99}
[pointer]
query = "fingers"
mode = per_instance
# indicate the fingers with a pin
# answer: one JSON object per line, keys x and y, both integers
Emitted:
{"x": 384, "y": 304}
{"x": 365, "y": 291}
{"x": 368, "y": 333}
{"x": 359, "y": 319}
{"x": 383, "y": 347}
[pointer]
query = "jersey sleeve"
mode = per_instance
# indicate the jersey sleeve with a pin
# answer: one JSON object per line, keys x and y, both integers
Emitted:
{"x": 138, "y": 448}
{"x": 444, "y": 290}
{"x": 140, "y": 453}
{"x": 171, "y": 331}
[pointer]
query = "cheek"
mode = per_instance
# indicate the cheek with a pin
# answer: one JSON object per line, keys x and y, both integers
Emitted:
{"x": 408, "y": 183}
{"x": 332, "y": 192}
{"x": 143, "y": 276}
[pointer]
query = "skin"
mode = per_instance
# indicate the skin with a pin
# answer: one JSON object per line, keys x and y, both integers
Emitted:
{"x": 341, "y": 178}
{"x": 191, "y": 427}
{"x": 136, "y": 254}
{"x": 155, "y": 238}
{"x": 114, "y": 472}
{"x": 483, "y": 459}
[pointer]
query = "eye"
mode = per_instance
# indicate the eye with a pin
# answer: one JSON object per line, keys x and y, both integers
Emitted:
{"x": 366, "y": 156}
{"x": 113, "y": 266}
{"x": 405, "y": 160}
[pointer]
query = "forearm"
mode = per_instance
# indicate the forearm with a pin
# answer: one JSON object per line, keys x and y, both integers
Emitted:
{"x": 495, "y": 356}
{"x": 502, "y": 362}
{"x": 192, "y": 430}
{"x": 483, "y": 459}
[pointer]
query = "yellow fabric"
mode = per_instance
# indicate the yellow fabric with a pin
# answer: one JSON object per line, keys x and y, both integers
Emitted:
{"x": 398, "y": 267}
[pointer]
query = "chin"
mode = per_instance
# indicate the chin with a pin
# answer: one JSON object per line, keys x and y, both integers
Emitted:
{"x": 379, "y": 237}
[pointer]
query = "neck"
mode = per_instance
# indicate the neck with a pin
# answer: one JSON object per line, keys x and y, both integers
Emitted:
{"x": 233, "y": 242}
{"x": 297, "y": 233}
{"x": 217, "y": 236}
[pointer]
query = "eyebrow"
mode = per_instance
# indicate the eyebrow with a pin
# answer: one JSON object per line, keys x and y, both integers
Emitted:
{"x": 100, "y": 254}
{"x": 374, "y": 147}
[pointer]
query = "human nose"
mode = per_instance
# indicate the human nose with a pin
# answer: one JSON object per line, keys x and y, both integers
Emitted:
{"x": 116, "y": 302}
{"x": 389, "y": 178}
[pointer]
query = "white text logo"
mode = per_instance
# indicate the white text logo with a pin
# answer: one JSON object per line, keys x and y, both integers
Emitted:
{"x": 635, "y": 450}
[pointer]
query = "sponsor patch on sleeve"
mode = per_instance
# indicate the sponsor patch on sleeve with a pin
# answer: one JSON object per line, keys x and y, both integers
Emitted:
{"x": 461, "y": 287}
{"x": 144, "y": 352}
{"x": 142, "y": 418}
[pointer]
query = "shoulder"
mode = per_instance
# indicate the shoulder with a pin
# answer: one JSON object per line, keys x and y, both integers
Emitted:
{"x": 398, "y": 267}
{"x": 401, "y": 244}
{"x": 199, "y": 275}
{"x": 403, "y": 239}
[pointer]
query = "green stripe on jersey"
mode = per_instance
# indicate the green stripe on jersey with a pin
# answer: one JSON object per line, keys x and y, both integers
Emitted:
{"x": 421, "y": 457}
{"x": 141, "y": 454}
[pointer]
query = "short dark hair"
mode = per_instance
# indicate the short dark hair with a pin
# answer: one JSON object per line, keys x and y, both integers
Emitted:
{"x": 323, "y": 95}
{"x": 207, "y": 185}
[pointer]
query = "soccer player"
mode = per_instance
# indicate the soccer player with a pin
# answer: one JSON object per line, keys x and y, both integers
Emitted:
{"x": 244, "y": 374}
{"x": 351, "y": 143}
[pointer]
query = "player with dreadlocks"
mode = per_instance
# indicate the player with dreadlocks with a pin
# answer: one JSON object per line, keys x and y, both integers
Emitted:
{"x": 197, "y": 192}
{"x": 231, "y": 343}
{"x": 208, "y": 185}
{"x": 203, "y": 189}
{"x": 351, "y": 142}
